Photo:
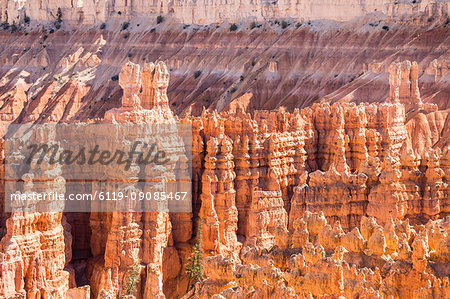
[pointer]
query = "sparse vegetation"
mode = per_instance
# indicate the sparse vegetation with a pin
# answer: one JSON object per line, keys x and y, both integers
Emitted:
{"x": 159, "y": 19}
{"x": 253, "y": 62}
{"x": 284, "y": 24}
{"x": 233, "y": 89}
{"x": 103, "y": 26}
{"x": 13, "y": 27}
{"x": 298, "y": 25}
{"x": 197, "y": 74}
{"x": 115, "y": 78}
{"x": 5, "y": 25}
{"x": 385, "y": 28}
{"x": 233, "y": 27}
{"x": 125, "y": 25}
{"x": 133, "y": 279}
{"x": 26, "y": 19}
{"x": 194, "y": 267}
{"x": 242, "y": 78}
{"x": 252, "y": 25}
{"x": 126, "y": 35}
{"x": 58, "y": 21}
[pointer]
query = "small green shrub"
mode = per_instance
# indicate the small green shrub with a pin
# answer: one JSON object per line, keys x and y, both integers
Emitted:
{"x": 159, "y": 19}
{"x": 233, "y": 27}
{"x": 386, "y": 28}
{"x": 13, "y": 27}
{"x": 103, "y": 26}
{"x": 194, "y": 266}
{"x": 125, "y": 25}
{"x": 59, "y": 15}
{"x": 197, "y": 74}
{"x": 115, "y": 78}
{"x": 284, "y": 24}
{"x": 26, "y": 19}
{"x": 252, "y": 25}
{"x": 5, "y": 25}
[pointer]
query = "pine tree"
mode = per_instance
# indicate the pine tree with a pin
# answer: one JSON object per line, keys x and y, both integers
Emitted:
{"x": 133, "y": 279}
{"x": 194, "y": 267}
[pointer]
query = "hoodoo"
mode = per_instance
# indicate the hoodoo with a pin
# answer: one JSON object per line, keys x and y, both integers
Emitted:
{"x": 316, "y": 154}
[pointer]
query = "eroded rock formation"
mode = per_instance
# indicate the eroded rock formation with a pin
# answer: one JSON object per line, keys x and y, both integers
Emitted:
{"x": 334, "y": 199}
{"x": 390, "y": 261}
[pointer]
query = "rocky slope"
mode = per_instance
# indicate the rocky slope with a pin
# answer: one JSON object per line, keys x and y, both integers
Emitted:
{"x": 71, "y": 74}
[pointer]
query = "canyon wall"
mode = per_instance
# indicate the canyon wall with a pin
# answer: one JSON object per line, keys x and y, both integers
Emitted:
{"x": 88, "y": 12}
{"x": 347, "y": 196}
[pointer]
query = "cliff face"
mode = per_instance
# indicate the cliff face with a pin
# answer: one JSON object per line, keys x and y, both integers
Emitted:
{"x": 191, "y": 12}
{"x": 347, "y": 196}
{"x": 327, "y": 200}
